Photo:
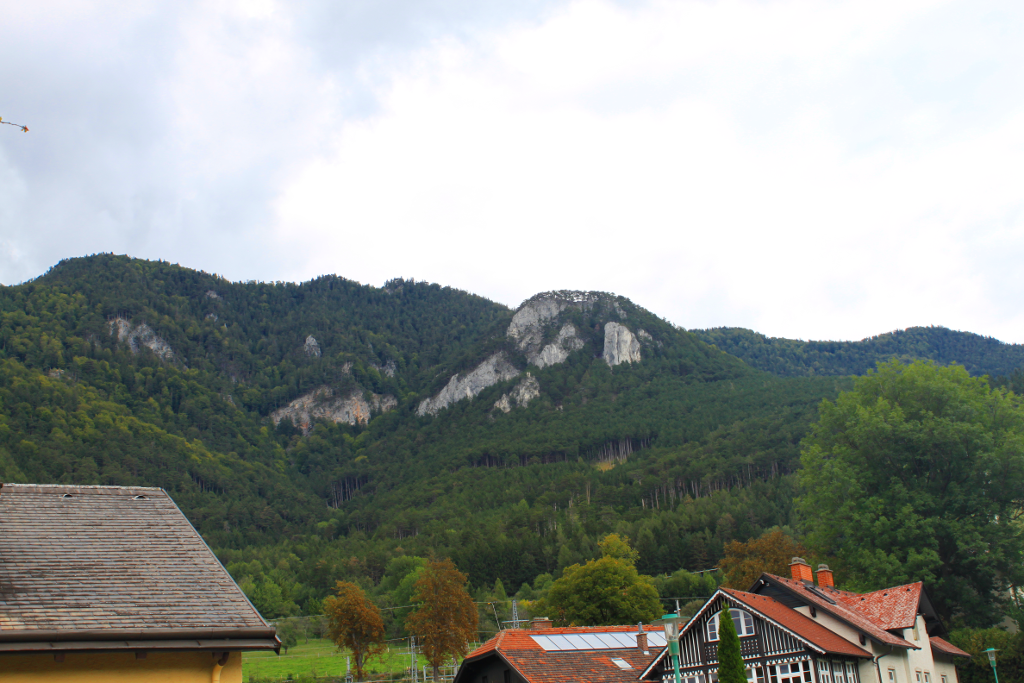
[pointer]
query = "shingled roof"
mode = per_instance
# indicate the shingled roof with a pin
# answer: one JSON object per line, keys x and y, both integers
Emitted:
{"x": 107, "y": 567}
{"x": 803, "y": 626}
{"x": 846, "y": 606}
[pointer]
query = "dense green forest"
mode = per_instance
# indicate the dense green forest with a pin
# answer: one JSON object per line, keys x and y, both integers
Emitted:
{"x": 122, "y": 371}
{"x": 796, "y": 358}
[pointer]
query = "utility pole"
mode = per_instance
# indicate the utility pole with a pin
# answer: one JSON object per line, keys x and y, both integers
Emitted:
{"x": 412, "y": 657}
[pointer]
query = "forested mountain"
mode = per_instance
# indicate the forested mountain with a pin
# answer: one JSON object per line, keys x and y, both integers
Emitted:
{"x": 330, "y": 430}
{"x": 796, "y": 358}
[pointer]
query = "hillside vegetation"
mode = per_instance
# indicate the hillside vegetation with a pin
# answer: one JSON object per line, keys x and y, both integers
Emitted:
{"x": 796, "y": 358}
{"x": 122, "y": 371}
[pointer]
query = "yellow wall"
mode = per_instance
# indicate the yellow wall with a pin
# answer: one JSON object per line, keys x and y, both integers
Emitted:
{"x": 113, "y": 667}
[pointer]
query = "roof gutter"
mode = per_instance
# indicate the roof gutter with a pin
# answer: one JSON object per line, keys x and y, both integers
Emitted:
{"x": 117, "y": 634}
{"x": 226, "y": 645}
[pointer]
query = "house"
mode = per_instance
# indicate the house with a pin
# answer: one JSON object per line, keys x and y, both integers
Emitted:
{"x": 544, "y": 654}
{"x": 793, "y": 630}
{"x": 101, "y": 583}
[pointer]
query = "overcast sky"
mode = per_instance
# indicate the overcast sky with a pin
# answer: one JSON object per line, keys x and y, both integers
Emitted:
{"x": 816, "y": 170}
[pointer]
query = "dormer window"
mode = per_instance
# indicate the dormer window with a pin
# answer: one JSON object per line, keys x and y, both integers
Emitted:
{"x": 743, "y": 621}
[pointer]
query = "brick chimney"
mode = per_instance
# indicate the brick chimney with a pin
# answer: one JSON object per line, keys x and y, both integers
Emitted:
{"x": 540, "y": 623}
{"x": 641, "y": 639}
{"x": 824, "y": 575}
{"x": 800, "y": 570}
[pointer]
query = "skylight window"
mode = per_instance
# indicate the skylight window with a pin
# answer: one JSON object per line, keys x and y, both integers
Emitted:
{"x": 621, "y": 663}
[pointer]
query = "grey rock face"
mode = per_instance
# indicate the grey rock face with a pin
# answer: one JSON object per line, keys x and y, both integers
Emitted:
{"x": 388, "y": 369}
{"x": 527, "y": 326}
{"x": 536, "y": 316}
{"x": 311, "y": 347}
{"x": 321, "y": 403}
{"x": 493, "y": 370}
{"x": 557, "y": 351}
{"x": 644, "y": 334}
{"x": 521, "y": 395}
{"x": 140, "y": 335}
{"x": 212, "y": 294}
{"x": 620, "y": 346}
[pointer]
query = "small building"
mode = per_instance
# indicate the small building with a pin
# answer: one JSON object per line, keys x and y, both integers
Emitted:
{"x": 793, "y": 630}
{"x": 544, "y": 654}
{"x": 105, "y": 583}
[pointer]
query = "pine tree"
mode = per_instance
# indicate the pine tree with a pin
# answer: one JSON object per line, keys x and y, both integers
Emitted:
{"x": 730, "y": 662}
{"x": 355, "y": 623}
{"x": 446, "y": 618}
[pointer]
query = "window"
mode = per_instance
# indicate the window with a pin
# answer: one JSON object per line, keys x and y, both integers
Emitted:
{"x": 823, "y": 672}
{"x": 789, "y": 673}
{"x": 837, "y": 672}
{"x": 927, "y": 677}
{"x": 918, "y": 674}
{"x": 850, "y": 675}
{"x": 621, "y": 663}
{"x": 892, "y": 676}
{"x": 743, "y": 621}
{"x": 755, "y": 674}
{"x": 694, "y": 679}
{"x": 508, "y": 676}
{"x": 944, "y": 678}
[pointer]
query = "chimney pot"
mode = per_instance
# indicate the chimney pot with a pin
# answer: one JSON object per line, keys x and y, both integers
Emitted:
{"x": 540, "y": 623}
{"x": 824, "y": 575}
{"x": 800, "y": 570}
{"x": 641, "y": 639}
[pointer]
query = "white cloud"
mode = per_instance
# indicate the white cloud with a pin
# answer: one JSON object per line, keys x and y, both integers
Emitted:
{"x": 715, "y": 162}
{"x": 807, "y": 169}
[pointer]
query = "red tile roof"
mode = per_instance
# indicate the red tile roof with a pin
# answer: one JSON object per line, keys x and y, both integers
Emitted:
{"x": 798, "y": 623}
{"x": 945, "y": 647}
{"x": 889, "y": 608}
{"x": 843, "y": 609}
{"x": 537, "y": 665}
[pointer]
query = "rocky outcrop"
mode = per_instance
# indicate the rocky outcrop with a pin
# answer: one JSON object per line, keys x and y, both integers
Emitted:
{"x": 322, "y": 404}
{"x": 141, "y": 335}
{"x": 212, "y": 294}
{"x": 521, "y": 395}
{"x": 527, "y": 326}
{"x": 495, "y": 369}
{"x": 311, "y": 347}
{"x": 388, "y": 369}
{"x": 644, "y": 334}
{"x": 620, "y": 346}
{"x": 533, "y": 319}
{"x": 557, "y": 351}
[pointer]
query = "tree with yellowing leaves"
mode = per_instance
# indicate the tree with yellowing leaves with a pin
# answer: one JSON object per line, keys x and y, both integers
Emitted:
{"x": 446, "y": 618}
{"x": 744, "y": 563}
{"x": 355, "y": 623}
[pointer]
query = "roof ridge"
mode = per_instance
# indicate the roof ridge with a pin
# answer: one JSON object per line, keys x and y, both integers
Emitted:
{"x": 79, "y": 486}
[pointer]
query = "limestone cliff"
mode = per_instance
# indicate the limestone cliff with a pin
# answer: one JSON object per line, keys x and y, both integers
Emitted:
{"x": 521, "y": 395}
{"x": 137, "y": 336}
{"x": 495, "y": 369}
{"x": 535, "y": 316}
{"x": 311, "y": 347}
{"x": 323, "y": 404}
{"x": 620, "y": 346}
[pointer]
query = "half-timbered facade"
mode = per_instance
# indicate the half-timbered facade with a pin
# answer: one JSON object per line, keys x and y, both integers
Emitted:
{"x": 793, "y": 630}
{"x": 777, "y": 644}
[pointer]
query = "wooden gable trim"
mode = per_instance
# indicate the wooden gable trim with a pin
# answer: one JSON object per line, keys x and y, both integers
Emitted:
{"x": 736, "y": 602}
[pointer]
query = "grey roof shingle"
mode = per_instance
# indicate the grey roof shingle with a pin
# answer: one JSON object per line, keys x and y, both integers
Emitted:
{"x": 89, "y": 562}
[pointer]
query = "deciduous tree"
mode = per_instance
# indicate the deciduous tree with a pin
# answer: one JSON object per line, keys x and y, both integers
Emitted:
{"x": 745, "y": 562}
{"x": 918, "y": 474}
{"x": 605, "y": 591}
{"x": 445, "y": 619}
{"x": 355, "y": 623}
